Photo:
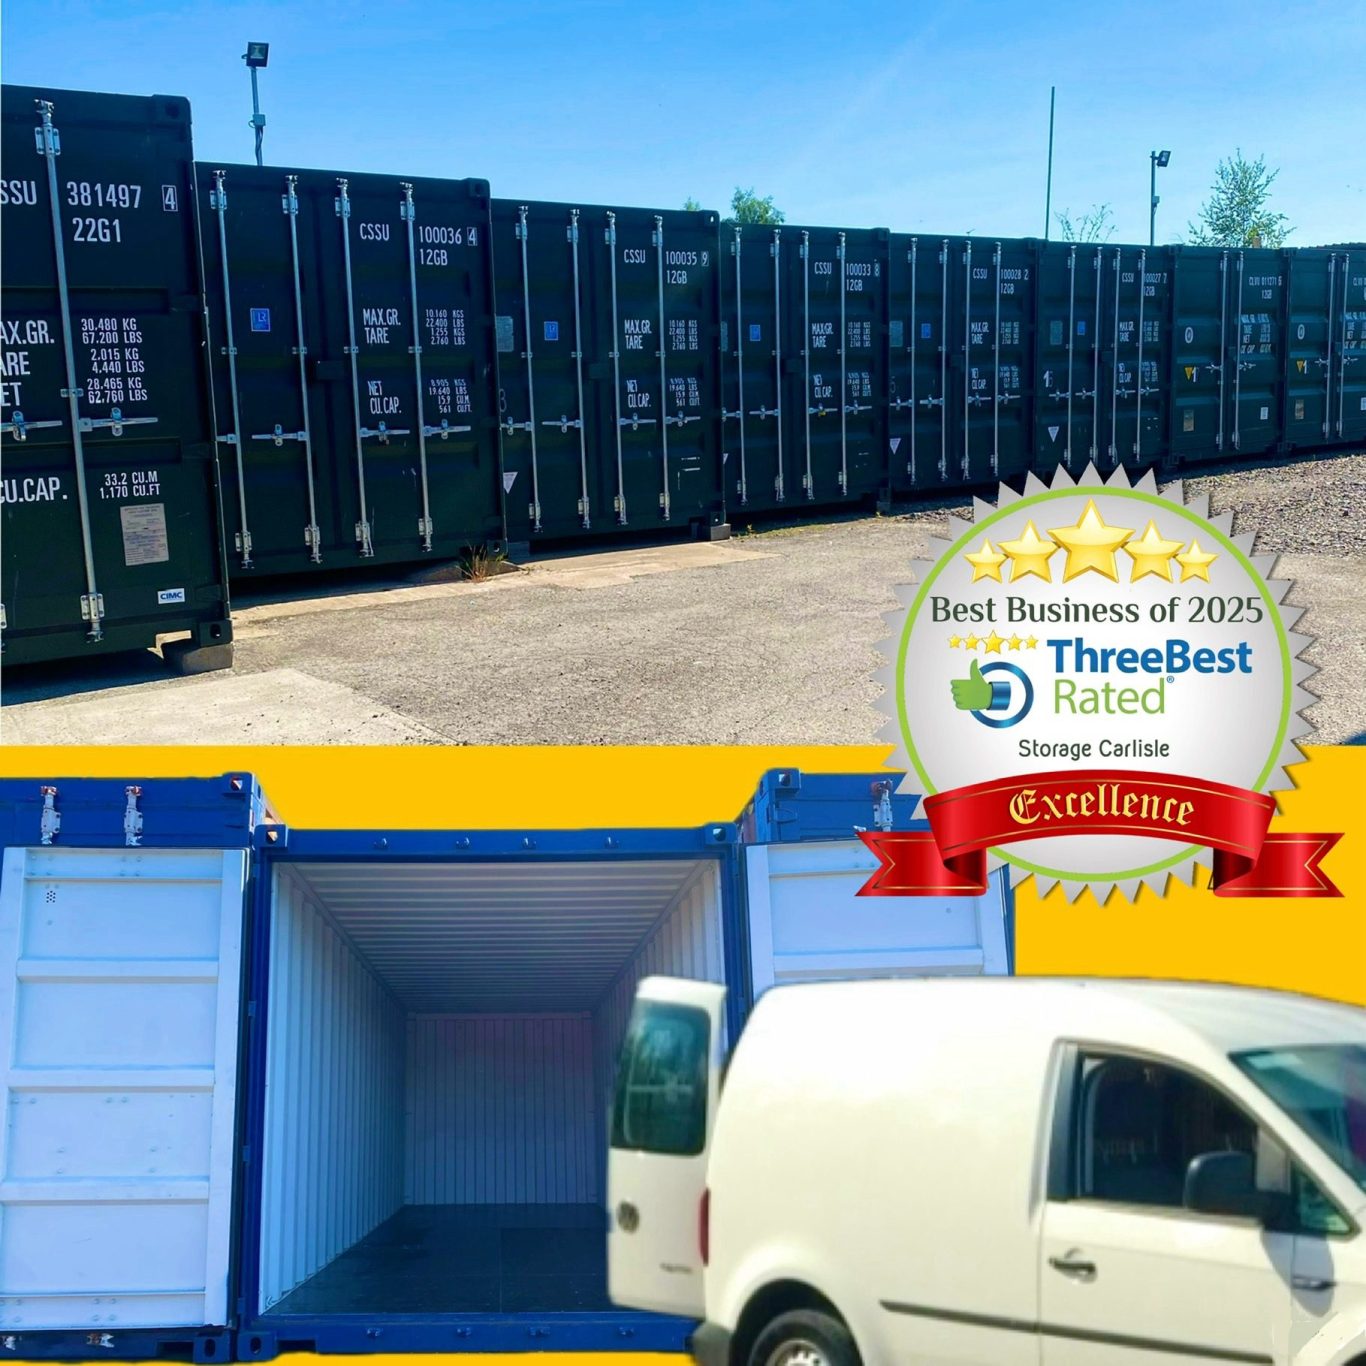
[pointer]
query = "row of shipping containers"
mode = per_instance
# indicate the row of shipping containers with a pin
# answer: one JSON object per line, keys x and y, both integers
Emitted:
{"x": 215, "y": 371}
{"x": 345, "y": 1090}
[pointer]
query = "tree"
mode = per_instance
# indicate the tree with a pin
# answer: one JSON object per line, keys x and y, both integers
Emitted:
{"x": 1092, "y": 226}
{"x": 691, "y": 205}
{"x": 1236, "y": 214}
{"x": 747, "y": 207}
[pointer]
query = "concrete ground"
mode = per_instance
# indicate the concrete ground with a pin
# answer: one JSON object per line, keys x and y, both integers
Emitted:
{"x": 766, "y": 639}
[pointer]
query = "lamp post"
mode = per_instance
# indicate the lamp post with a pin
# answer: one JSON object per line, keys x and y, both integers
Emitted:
{"x": 256, "y": 56}
{"x": 1156, "y": 159}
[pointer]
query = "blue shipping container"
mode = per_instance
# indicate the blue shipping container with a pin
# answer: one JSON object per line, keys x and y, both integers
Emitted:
{"x": 344, "y": 1091}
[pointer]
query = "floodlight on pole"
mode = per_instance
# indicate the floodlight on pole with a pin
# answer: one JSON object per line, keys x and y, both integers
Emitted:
{"x": 257, "y": 56}
{"x": 1155, "y": 159}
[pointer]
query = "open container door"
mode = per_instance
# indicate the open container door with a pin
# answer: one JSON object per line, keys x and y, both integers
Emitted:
{"x": 668, "y": 1082}
{"x": 120, "y": 981}
{"x": 803, "y": 867}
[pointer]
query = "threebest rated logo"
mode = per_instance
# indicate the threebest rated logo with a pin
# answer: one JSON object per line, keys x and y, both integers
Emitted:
{"x": 1096, "y": 684}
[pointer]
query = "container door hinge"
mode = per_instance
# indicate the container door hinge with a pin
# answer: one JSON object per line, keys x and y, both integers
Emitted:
{"x": 42, "y": 146}
{"x": 4, "y": 620}
{"x": 132, "y": 817}
{"x": 424, "y": 529}
{"x": 881, "y": 793}
{"x": 582, "y": 510}
{"x": 242, "y": 542}
{"x": 92, "y": 608}
{"x": 619, "y": 507}
{"x": 19, "y": 429}
{"x": 50, "y": 822}
{"x": 363, "y": 537}
{"x": 313, "y": 539}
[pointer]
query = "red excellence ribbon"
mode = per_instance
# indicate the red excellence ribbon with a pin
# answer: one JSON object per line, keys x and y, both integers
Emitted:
{"x": 950, "y": 859}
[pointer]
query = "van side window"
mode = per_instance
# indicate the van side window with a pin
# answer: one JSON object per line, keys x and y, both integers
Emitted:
{"x": 1140, "y": 1124}
{"x": 661, "y": 1096}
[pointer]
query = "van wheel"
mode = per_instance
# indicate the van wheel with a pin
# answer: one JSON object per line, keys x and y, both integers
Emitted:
{"x": 804, "y": 1337}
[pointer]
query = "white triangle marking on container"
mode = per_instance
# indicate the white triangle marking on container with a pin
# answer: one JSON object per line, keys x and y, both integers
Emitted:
{"x": 508, "y": 481}
{"x": 1053, "y": 433}
{"x": 896, "y": 441}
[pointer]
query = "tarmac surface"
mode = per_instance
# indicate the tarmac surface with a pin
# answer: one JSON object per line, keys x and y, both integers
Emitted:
{"x": 768, "y": 638}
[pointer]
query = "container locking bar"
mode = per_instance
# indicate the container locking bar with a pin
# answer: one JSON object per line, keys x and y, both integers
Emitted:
{"x": 218, "y": 201}
{"x": 776, "y": 250}
{"x": 572, "y": 233}
{"x": 1344, "y": 360}
{"x": 966, "y": 464}
{"x": 1071, "y": 335}
{"x": 1328, "y": 362}
{"x": 529, "y": 426}
{"x": 739, "y": 412}
{"x": 807, "y": 482}
{"x": 343, "y": 208}
{"x": 312, "y": 535}
{"x": 1114, "y": 378}
{"x": 941, "y": 402}
{"x": 663, "y": 372}
{"x": 114, "y": 423}
{"x": 408, "y": 210}
{"x": 844, "y": 367}
{"x": 1139, "y": 390}
{"x": 610, "y": 237}
{"x": 997, "y": 398}
{"x": 49, "y": 148}
{"x": 19, "y": 428}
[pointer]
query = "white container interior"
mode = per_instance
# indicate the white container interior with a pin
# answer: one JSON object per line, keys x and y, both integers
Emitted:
{"x": 441, "y": 1040}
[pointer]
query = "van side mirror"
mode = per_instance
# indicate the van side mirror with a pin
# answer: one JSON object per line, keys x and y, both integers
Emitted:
{"x": 1224, "y": 1183}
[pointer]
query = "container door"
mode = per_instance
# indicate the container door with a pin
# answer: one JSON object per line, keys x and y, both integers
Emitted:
{"x": 1259, "y": 321}
{"x": 1201, "y": 344}
{"x": 808, "y": 923}
{"x": 1349, "y": 422}
{"x": 1309, "y": 350}
{"x": 917, "y": 365}
{"x": 662, "y": 1114}
{"x": 1067, "y": 356}
{"x": 752, "y": 357}
{"x": 109, "y": 515}
{"x": 120, "y": 975}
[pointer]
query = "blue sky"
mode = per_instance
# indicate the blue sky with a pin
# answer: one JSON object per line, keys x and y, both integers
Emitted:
{"x": 923, "y": 115}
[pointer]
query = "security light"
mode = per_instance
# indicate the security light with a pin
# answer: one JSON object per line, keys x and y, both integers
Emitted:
{"x": 1162, "y": 157}
{"x": 258, "y": 54}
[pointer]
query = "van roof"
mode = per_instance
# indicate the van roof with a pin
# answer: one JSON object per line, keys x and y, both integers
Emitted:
{"x": 1226, "y": 1018}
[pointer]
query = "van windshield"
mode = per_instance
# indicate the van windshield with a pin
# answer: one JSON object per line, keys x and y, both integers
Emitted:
{"x": 1323, "y": 1089}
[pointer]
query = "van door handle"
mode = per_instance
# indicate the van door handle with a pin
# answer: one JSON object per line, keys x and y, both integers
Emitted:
{"x": 628, "y": 1217}
{"x": 1312, "y": 1282}
{"x": 1070, "y": 1265}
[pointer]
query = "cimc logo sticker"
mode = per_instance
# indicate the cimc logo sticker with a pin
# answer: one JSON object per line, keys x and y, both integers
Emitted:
{"x": 1097, "y": 684}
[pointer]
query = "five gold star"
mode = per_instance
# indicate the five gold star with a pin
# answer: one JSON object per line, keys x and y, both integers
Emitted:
{"x": 970, "y": 643}
{"x": 1015, "y": 642}
{"x": 1031, "y": 642}
{"x": 1195, "y": 562}
{"x": 986, "y": 563}
{"x": 994, "y": 642}
{"x": 1029, "y": 555}
{"x": 1151, "y": 554}
{"x": 1091, "y": 544}
{"x": 955, "y": 642}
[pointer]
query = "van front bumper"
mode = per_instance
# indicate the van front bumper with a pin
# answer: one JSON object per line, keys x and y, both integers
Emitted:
{"x": 709, "y": 1345}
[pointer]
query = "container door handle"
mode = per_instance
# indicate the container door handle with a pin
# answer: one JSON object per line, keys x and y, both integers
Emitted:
{"x": 628, "y": 1217}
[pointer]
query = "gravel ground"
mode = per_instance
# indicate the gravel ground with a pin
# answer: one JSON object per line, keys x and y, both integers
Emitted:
{"x": 766, "y": 639}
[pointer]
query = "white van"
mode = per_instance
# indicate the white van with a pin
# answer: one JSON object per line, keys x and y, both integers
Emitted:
{"x": 995, "y": 1172}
